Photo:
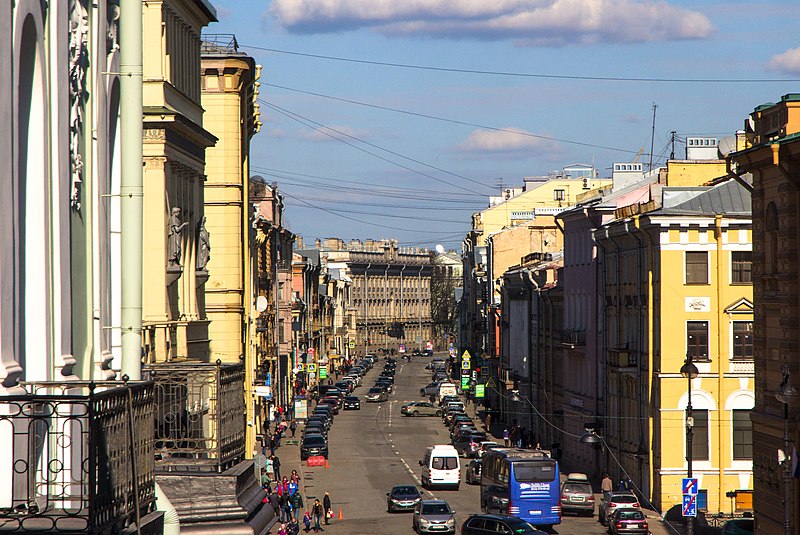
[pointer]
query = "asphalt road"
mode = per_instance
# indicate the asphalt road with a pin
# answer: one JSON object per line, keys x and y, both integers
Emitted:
{"x": 375, "y": 448}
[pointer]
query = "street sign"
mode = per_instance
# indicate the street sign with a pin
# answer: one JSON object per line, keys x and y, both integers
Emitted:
{"x": 312, "y": 368}
{"x": 689, "y": 505}
{"x": 310, "y": 351}
{"x": 300, "y": 366}
{"x": 480, "y": 390}
{"x": 429, "y": 346}
{"x": 465, "y": 365}
{"x": 689, "y": 485}
{"x": 452, "y": 352}
{"x": 465, "y": 382}
{"x": 323, "y": 372}
{"x": 351, "y": 344}
{"x": 465, "y": 355}
{"x": 490, "y": 383}
{"x": 401, "y": 348}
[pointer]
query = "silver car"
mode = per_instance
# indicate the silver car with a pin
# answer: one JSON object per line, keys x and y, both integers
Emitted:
{"x": 434, "y": 516}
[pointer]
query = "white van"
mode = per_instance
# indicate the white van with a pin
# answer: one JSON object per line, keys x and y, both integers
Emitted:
{"x": 446, "y": 388}
{"x": 441, "y": 467}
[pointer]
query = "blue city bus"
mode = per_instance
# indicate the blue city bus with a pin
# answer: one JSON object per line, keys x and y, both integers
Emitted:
{"x": 523, "y": 483}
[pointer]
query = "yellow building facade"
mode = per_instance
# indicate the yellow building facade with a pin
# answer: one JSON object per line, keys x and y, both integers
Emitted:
{"x": 229, "y": 90}
{"x": 678, "y": 281}
{"x": 174, "y": 320}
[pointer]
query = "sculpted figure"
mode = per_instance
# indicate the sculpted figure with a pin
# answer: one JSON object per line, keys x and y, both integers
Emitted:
{"x": 174, "y": 231}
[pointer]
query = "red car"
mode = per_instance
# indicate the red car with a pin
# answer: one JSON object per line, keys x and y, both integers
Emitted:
{"x": 628, "y": 521}
{"x": 333, "y": 401}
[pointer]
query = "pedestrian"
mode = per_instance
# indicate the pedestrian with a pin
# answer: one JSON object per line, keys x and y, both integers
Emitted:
{"x": 326, "y": 503}
{"x": 292, "y": 487}
{"x": 276, "y": 467}
{"x": 293, "y": 528}
{"x": 621, "y": 485}
{"x": 506, "y": 437}
{"x": 297, "y": 503}
{"x": 273, "y": 445}
{"x": 606, "y": 485}
{"x": 295, "y": 476}
{"x": 316, "y": 512}
{"x": 307, "y": 521}
{"x": 488, "y": 422}
{"x": 293, "y": 427}
{"x": 275, "y": 502}
{"x": 282, "y": 529}
{"x": 286, "y": 508}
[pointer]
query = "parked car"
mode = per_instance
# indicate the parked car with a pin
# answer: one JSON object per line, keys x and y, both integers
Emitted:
{"x": 427, "y": 352}
{"x": 318, "y": 420}
{"x": 402, "y": 498}
{"x": 612, "y": 501}
{"x": 739, "y": 526}
{"x": 433, "y": 516}
{"x": 448, "y": 417}
{"x": 313, "y": 445}
{"x": 486, "y": 445}
{"x": 431, "y": 389}
{"x": 489, "y": 524}
{"x": 444, "y": 400}
{"x": 376, "y": 394}
{"x": 625, "y": 520}
{"x": 332, "y": 401}
{"x": 315, "y": 428}
{"x": 577, "y": 497}
{"x": 473, "y": 472}
{"x": 420, "y": 408}
{"x": 351, "y": 403}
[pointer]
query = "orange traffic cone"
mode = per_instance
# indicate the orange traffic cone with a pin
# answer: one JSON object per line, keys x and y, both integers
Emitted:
{"x": 341, "y": 516}
{"x": 326, "y": 463}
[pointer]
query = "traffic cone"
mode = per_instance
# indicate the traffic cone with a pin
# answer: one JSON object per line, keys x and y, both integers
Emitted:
{"x": 326, "y": 463}
{"x": 341, "y": 516}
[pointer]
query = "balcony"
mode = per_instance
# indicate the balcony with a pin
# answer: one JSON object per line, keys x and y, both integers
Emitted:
{"x": 200, "y": 411}
{"x": 573, "y": 339}
{"x": 77, "y": 457}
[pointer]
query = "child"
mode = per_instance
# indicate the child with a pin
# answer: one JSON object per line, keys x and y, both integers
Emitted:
{"x": 307, "y": 521}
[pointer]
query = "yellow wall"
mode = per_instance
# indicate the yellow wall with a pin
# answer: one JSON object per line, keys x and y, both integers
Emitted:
{"x": 694, "y": 172}
{"x": 720, "y": 378}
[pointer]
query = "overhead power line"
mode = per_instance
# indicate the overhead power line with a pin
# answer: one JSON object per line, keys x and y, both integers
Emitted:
{"x": 321, "y": 128}
{"x": 528, "y": 74}
{"x": 405, "y": 216}
{"x": 455, "y": 121}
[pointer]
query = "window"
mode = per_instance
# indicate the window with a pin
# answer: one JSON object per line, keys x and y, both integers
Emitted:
{"x": 558, "y": 195}
{"x": 696, "y": 267}
{"x": 697, "y": 339}
{"x": 742, "y": 434}
{"x": 741, "y": 267}
{"x": 700, "y": 435}
{"x": 743, "y": 340}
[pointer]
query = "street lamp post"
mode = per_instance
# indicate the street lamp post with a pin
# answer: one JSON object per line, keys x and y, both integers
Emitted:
{"x": 689, "y": 370}
{"x": 786, "y": 394}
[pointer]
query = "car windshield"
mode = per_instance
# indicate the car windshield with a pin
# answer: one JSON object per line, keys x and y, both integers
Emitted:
{"x": 375, "y": 390}
{"x": 314, "y": 441}
{"x": 435, "y": 509}
{"x": 532, "y": 472}
{"x": 631, "y": 515}
{"x": 405, "y": 491}
{"x": 351, "y": 398}
{"x": 577, "y": 488}
{"x": 445, "y": 463}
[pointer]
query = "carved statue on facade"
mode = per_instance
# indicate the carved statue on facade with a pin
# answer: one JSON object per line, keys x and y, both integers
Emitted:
{"x": 174, "y": 231}
{"x": 203, "y": 245}
{"x": 78, "y": 64}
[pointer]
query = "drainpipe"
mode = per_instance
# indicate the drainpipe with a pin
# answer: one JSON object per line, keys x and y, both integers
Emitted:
{"x": 172, "y": 523}
{"x": 718, "y": 360}
{"x": 619, "y": 336}
{"x": 131, "y": 186}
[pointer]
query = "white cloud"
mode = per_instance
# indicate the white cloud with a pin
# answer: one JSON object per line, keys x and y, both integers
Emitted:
{"x": 528, "y": 22}
{"x": 786, "y": 63}
{"x": 510, "y": 142}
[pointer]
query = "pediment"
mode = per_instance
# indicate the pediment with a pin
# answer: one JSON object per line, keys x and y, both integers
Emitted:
{"x": 740, "y": 306}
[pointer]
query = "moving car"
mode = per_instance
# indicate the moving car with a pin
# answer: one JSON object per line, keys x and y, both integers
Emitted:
{"x": 577, "y": 497}
{"x": 427, "y": 352}
{"x": 376, "y": 394}
{"x": 616, "y": 500}
{"x": 402, "y": 498}
{"x": 468, "y": 444}
{"x": 506, "y": 524}
{"x": 628, "y": 521}
{"x": 351, "y": 403}
{"x": 440, "y": 467}
{"x": 420, "y": 408}
{"x": 429, "y": 390}
{"x": 313, "y": 445}
{"x": 433, "y": 516}
{"x": 472, "y": 474}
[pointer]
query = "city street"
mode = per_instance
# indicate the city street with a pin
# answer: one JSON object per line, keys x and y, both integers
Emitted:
{"x": 375, "y": 448}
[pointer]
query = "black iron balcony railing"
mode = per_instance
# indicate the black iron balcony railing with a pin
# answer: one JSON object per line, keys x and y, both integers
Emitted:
{"x": 77, "y": 457}
{"x": 200, "y": 423}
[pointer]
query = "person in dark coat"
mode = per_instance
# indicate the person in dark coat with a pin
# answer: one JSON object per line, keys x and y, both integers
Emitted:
{"x": 316, "y": 512}
{"x": 326, "y": 503}
{"x": 276, "y": 467}
{"x": 275, "y": 502}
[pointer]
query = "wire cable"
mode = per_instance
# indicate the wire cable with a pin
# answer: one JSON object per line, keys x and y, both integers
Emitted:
{"x": 527, "y": 74}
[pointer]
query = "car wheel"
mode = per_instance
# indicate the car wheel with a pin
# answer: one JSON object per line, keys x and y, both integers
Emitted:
{"x": 415, "y": 413}
{"x": 438, "y": 414}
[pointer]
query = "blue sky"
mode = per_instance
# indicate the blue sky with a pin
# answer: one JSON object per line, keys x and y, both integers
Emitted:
{"x": 350, "y": 168}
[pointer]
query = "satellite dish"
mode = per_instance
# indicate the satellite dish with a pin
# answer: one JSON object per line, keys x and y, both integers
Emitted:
{"x": 261, "y": 303}
{"x": 727, "y": 145}
{"x": 440, "y": 248}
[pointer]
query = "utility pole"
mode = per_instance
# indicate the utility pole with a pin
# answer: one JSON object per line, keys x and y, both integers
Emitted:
{"x": 652, "y": 137}
{"x": 672, "y": 141}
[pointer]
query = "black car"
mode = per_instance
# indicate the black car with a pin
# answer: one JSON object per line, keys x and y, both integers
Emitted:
{"x": 351, "y": 403}
{"x": 402, "y": 498}
{"x": 319, "y": 420}
{"x": 313, "y": 445}
{"x": 315, "y": 428}
{"x": 488, "y": 524}
{"x": 427, "y": 352}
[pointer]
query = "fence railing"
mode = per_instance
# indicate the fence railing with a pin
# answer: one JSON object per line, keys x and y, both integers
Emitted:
{"x": 77, "y": 456}
{"x": 200, "y": 423}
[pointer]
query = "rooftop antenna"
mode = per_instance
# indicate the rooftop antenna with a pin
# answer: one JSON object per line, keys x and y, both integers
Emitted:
{"x": 672, "y": 152}
{"x": 652, "y": 137}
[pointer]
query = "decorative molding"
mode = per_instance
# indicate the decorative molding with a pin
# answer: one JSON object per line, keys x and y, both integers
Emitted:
{"x": 78, "y": 64}
{"x": 154, "y": 134}
{"x": 112, "y": 27}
